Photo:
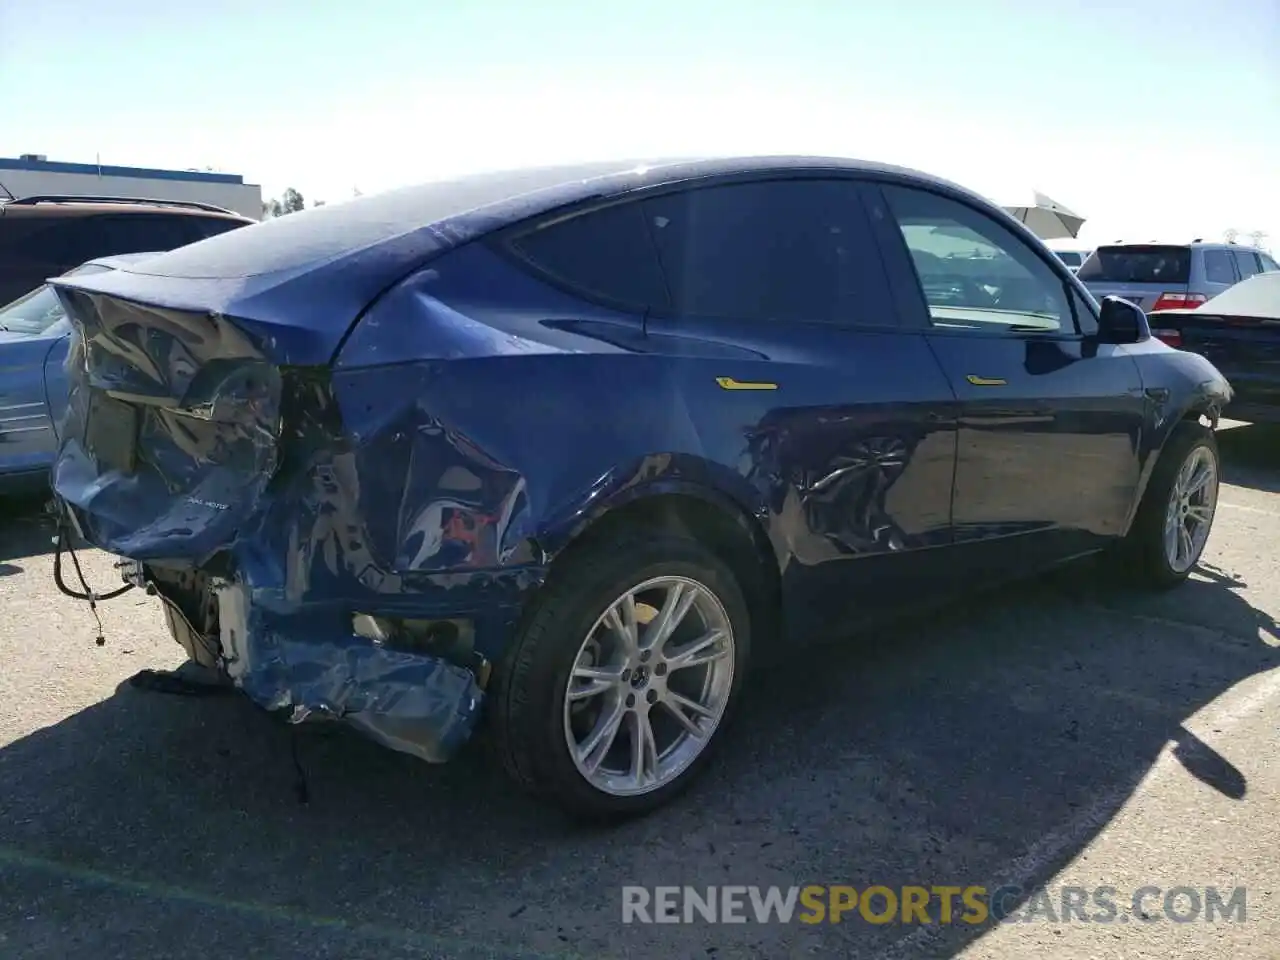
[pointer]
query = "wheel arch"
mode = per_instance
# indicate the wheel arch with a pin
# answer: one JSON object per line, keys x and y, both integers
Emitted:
{"x": 695, "y": 508}
{"x": 1197, "y": 409}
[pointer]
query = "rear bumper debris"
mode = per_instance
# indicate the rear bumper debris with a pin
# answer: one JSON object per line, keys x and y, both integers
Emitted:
{"x": 411, "y": 702}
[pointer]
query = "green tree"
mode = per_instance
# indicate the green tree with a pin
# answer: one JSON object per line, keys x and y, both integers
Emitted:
{"x": 290, "y": 202}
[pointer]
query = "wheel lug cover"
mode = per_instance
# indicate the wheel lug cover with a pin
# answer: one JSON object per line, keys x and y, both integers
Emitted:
{"x": 631, "y": 699}
{"x": 652, "y": 695}
{"x": 660, "y": 670}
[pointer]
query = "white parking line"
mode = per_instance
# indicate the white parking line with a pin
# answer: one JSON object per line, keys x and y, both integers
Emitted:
{"x": 1246, "y": 509}
{"x": 1220, "y": 715}
{"x": 1215, "y": 636}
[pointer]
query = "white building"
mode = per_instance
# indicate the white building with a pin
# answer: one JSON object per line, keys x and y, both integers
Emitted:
{"x": 35, "y": 175}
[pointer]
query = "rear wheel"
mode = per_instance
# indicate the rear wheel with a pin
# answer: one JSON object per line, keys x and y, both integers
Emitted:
{"x": 625, "y": 676}
{"x": 1176, "y": 516}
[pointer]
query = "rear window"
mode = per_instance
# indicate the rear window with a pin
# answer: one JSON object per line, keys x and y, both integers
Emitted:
{"x": 1070, "y": 257}
{"x": 318, "y": 234}
{"x": 1138, "y": 264}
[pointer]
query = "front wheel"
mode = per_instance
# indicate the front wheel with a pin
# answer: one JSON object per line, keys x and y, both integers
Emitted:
{"x": 624, "y": 677}
{"x": 1176, "y": 516}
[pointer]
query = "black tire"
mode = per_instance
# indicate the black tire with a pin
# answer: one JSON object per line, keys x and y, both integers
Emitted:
{"x": 1143, "y": 552}
{"x": 526, "y": 704}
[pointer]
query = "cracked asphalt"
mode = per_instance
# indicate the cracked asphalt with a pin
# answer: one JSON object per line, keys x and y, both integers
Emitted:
{"x": 1064, "y": 732}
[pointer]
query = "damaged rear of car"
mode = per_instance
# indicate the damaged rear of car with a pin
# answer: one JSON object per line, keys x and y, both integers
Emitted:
{"x": 343, "y": 448}
{"x": 320, "y": 532}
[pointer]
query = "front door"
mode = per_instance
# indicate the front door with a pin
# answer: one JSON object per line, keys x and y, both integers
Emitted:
{"x": 1050, "y": 420}
{"x": 853, "y": 453}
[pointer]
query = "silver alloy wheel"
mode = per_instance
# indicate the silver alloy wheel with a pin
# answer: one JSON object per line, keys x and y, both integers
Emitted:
{"x": 1189, "y": 515}
{"x": 649, "y": 686}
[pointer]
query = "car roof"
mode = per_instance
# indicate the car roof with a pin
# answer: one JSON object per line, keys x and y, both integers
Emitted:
{"x": 337, "y": 258}
{"x": 1189, "y": 244}
{"x": 1258, "y": 296}
{"x": 57, "y": 205}
{"x": 469, "y": 205}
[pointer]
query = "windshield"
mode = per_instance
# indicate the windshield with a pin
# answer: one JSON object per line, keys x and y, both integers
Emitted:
{"x": 1138, "y": 264}
{"x": 39, "y": 310}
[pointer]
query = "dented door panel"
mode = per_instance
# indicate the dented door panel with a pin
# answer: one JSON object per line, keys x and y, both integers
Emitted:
{"x": 373, "y": 531}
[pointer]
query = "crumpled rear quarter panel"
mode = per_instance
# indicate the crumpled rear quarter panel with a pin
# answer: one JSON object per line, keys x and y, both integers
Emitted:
{"x": 246, "y": 470}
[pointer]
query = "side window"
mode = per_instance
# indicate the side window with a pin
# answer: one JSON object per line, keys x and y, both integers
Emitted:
{"x": 1268, "y": 265}
{"x": 65, "y": 244}
{"x": 142, "y": 233}
{"x": 201, "y": 228}
{"x": 776, "y": 250}
{"x": 1218, "y": 268}
{"x": 604, "y": 255}
{"x": 975, "y": 274}
{"x": 1247, "y": 262}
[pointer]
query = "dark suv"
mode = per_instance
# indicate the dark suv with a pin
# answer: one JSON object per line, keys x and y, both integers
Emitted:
{"x": 45, "y": 236}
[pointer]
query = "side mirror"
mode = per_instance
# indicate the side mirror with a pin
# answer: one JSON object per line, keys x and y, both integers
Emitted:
{"x": 1122, "y": 322}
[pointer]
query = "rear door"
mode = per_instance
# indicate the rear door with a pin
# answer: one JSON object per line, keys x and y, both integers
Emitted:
{"x": 26, "y": 437}
{"x": 1050, "y": 420}
{"x": 1141, "y": 273}
{"x": 842, "y": 422}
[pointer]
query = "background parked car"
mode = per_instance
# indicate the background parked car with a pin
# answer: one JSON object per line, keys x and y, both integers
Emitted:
{"x": 1161, "y": 276}
{"x": 33, "y": 393}
{"x": 1074, "y": 258}
{"x": 45, "y": 236}
{"x": 1239, "y": 331}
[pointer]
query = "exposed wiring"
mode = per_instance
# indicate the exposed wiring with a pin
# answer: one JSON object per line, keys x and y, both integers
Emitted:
{"x": 63, "y": 543}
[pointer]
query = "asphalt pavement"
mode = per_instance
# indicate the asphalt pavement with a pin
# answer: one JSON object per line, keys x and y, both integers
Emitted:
{"x": 1064, "y": 735}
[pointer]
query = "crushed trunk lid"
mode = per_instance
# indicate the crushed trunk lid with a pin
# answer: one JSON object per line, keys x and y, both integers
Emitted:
{"x": 172, "y": 427}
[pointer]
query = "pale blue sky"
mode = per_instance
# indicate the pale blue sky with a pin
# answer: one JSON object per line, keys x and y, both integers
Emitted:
{"x": 1155, "y": 119}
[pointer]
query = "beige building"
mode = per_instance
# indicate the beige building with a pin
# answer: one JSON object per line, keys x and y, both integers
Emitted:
{"x": 35, "y": 175}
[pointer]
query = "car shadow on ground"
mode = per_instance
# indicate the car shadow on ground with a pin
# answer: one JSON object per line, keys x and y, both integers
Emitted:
{"x": 935, "y": 752}
{"x": 25, "y": 531}
{"x": 1007, "y": 730}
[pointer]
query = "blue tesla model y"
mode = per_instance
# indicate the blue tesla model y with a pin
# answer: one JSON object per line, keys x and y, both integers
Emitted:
{"x": 561, "y": 450}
